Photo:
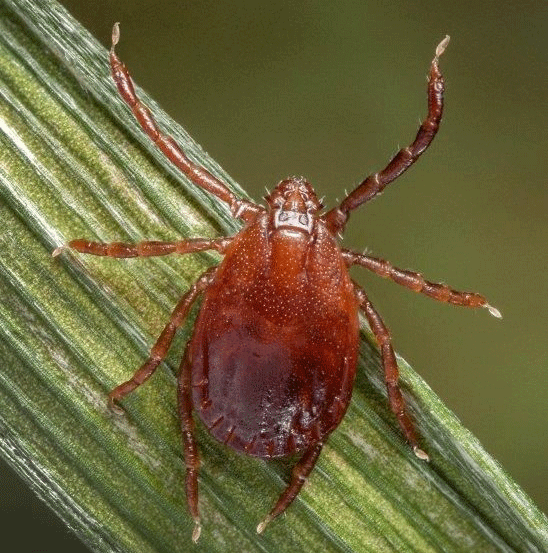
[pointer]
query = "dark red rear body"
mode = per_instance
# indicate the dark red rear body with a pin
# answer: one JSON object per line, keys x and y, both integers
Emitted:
{"x": 274, "y": 348}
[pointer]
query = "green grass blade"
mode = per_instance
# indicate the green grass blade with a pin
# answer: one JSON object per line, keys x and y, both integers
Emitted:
{"x": 73, "y": 163}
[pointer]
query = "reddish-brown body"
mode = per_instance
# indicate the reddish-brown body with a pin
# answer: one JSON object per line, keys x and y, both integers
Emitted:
{"x": 271, "y": 364}
{"x": 274, "y": 348}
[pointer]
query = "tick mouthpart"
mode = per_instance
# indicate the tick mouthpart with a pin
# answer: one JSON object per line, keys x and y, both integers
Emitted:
{"x": 293, "y": 219}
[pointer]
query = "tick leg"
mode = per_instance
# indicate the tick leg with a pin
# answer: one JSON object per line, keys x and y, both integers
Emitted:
{"x": 372, "y": 185}
{"x": 416, "y": 282}
{"x": 192, "y": 457}
{"x": 160, "y": 348}
{"x": 198, "y": 175}
{"x": 145, "y": 249}
{"x": 391, "y": 372}
{"x": 299, "y": 474}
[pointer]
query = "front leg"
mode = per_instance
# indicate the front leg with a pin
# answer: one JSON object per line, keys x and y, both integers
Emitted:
{"x": 391, "y": 371}
{"x": 241, "y": 209}
{"x": 416, "y": 282}
{"x": 190, "y": 448}
{"x": 336, "y": 218}
{"x": 144, "y": 249}
{"x": 160, "y": 348}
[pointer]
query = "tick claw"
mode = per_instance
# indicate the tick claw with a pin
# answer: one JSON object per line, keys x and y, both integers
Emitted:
{"x": 440, "y": 49}
{"x": 58, "y": 251}
{"x": 113, "y": 406}
{"x": 263, "y": 524}
{"x": 494, "y": 311}
{"x": 422, "y": 455}
{"x": 115, "y": 35}
{"x": 196, "y": 532}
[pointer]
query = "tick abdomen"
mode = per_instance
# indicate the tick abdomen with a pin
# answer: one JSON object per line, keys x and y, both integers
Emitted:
{"x": 273, "y": 359}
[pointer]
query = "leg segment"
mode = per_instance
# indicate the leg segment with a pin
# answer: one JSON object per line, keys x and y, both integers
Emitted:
{"x": 160, "y": 348}
{"x": 197, "y": 174}
{"x": 145, "y": 249}
{"x": 416, "y": 282}
{"x": 391, "y": 372}
{"x": 299, "y": 475}
{"x": 372, "y": 185}
{"x": 190, "y": 449}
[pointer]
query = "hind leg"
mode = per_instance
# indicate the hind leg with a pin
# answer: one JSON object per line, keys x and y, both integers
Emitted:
{"x": 299, "y": 474}
{"x": 190, "y": 449}
{"x": 391, "y": 372}
{"x": 160, "y": 348}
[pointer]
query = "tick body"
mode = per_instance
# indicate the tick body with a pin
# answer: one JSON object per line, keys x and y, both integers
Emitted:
{"x": 273, "y": 354}
{"x": 272, "y": 360}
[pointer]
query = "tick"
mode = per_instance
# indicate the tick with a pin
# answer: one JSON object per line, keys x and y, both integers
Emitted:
{"x": 271, "y": 363}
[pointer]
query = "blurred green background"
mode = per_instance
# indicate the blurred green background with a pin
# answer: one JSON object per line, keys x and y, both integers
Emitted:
{"x": 330, "y": 90}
